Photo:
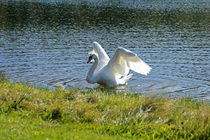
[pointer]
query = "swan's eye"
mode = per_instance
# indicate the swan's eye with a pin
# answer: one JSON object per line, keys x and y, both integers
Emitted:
{"x": 90, "y": 58}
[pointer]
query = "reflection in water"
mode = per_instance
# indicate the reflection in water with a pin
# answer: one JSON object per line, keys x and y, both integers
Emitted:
{"x": 46, "y": 43}
{"x": 21, "y": 14}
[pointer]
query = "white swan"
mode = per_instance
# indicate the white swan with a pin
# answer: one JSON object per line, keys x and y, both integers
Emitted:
{"x": 114, "y": 72}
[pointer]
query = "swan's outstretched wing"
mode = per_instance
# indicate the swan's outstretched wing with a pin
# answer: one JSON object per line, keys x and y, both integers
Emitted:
{"x": 124, "y": 60}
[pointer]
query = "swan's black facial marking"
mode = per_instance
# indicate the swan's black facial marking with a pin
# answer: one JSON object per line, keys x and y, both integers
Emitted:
{"x": 90, "y": 58}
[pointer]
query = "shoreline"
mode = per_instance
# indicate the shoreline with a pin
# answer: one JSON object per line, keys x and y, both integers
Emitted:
{"x": 100, "y": 113}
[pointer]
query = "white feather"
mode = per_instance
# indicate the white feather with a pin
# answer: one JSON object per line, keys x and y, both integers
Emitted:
{"x": 115, "y": 71}
{"x": 125, "y": 60}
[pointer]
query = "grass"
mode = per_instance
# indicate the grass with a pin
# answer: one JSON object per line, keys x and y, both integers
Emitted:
{"x": 32, "y": 113}
{"x": 18, "y": 125}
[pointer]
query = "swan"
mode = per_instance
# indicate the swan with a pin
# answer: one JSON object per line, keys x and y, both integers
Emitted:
{"x": 114, "y": 72}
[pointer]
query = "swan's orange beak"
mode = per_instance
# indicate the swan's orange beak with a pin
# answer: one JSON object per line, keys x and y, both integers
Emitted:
{"x": 90, "y": 58}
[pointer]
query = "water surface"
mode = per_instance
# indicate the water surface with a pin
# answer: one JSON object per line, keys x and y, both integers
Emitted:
{"x": 45, "y": 43}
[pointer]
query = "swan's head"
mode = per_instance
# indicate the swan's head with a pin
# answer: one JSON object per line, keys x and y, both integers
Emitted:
{"x": 92, "y": 57}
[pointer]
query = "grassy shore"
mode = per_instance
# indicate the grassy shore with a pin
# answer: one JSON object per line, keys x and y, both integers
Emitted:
{"x": 32, "y": 113}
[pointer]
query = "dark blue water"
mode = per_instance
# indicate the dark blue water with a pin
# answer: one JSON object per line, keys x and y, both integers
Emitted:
{"x": 45, "y": 43}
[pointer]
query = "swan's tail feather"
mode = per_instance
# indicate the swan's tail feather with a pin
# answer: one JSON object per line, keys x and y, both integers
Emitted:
{"x": 123, "y": 80}
{"x": 126, "y": 78}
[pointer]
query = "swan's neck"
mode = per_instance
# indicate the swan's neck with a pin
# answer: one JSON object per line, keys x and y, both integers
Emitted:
{"x": 90, "y": 76}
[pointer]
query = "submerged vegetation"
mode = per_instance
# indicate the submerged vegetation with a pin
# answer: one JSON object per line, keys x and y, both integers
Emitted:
{"x": 28, "y": 112}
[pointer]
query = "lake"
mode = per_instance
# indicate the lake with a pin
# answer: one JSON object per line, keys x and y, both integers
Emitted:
{"x": 45, "y": 43}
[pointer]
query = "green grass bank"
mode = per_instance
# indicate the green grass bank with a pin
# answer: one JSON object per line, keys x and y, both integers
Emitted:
{"x": 27, "y": 112}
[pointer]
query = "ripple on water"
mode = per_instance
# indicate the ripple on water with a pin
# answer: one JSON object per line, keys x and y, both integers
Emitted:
{"x": 172, "y": 37}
